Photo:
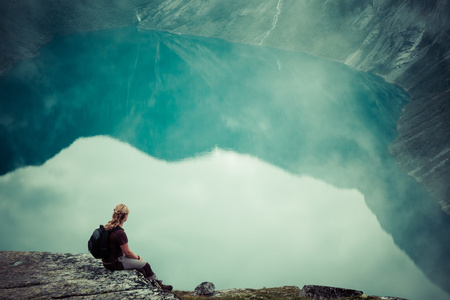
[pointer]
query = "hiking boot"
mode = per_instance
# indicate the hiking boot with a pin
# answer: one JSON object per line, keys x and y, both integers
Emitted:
{"x": 165, "y": 287}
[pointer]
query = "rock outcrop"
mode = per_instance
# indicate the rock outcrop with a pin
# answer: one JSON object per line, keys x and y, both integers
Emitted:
{"x": 43, "y": 275}
{"x": 325, "y": 292}
{"x": 320, "y": 292}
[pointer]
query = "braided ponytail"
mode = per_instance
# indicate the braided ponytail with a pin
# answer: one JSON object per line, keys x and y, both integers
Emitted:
{"x": 119, "y": 214}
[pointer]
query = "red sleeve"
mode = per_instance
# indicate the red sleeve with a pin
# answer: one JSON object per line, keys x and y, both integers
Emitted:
{"x": 121, "y": 237}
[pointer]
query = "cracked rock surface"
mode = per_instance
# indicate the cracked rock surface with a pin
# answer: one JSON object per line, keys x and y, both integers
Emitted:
{"x": 44, "y": 275}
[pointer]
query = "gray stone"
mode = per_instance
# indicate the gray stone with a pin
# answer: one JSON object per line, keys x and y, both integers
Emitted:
{"x": 326, "y": 292}
{"x": 205, "y": 289}
{"x": 45, "y": 275}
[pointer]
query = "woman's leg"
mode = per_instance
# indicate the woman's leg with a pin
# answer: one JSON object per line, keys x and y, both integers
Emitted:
{"x": 139, "y": 265}
{"x": 143, "y": 267}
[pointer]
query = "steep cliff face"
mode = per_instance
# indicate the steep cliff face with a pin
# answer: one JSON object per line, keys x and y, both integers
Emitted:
{"x": 406, "y": 42}
{"x": 410, "y": 46}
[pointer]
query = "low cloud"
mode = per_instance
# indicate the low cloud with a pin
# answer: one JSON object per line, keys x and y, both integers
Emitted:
{"x": 224, "y": 217}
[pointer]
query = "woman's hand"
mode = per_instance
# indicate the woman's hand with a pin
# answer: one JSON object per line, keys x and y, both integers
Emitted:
{"x": 128, "y": 253}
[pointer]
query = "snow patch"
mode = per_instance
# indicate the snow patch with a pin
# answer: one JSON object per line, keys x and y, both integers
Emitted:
{"x": 407, "y": 55}
{"x": 138, "y": 17}
{"x": 440, "y": 154}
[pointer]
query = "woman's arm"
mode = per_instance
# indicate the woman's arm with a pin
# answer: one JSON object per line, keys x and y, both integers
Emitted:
{"x": 128, "y": 253}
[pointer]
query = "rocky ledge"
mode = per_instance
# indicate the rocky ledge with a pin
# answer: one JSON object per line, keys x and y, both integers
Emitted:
{"x": 45, "y": 275}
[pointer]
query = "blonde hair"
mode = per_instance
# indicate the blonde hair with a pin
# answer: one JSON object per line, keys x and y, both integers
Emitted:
{"x": 120, "y": 212}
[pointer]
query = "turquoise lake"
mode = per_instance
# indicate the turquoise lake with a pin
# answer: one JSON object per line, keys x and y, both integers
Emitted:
{"x": 242, "y": 165}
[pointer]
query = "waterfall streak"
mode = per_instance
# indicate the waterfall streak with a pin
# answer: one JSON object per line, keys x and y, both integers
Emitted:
{"x": 274, "y": 22}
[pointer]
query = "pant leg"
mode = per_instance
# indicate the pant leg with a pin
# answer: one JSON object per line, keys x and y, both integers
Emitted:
{"x": 134, "y": 264}
{"x": 114, "y": 266}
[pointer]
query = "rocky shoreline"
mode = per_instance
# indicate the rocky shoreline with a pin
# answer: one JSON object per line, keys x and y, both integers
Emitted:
{"x": 46, "y": 275}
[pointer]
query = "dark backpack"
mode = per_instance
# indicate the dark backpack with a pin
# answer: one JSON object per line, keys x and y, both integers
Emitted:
{"x": 98, "y": 243}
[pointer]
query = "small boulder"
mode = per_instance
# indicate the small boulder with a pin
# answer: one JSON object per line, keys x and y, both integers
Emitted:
{"x": 205, "y": 289}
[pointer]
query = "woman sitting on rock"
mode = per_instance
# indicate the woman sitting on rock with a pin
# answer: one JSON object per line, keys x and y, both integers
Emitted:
{"x": 120, "y": 256}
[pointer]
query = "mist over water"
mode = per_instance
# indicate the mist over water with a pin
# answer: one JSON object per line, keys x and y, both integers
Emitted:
{"x": 298, "y": 189}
